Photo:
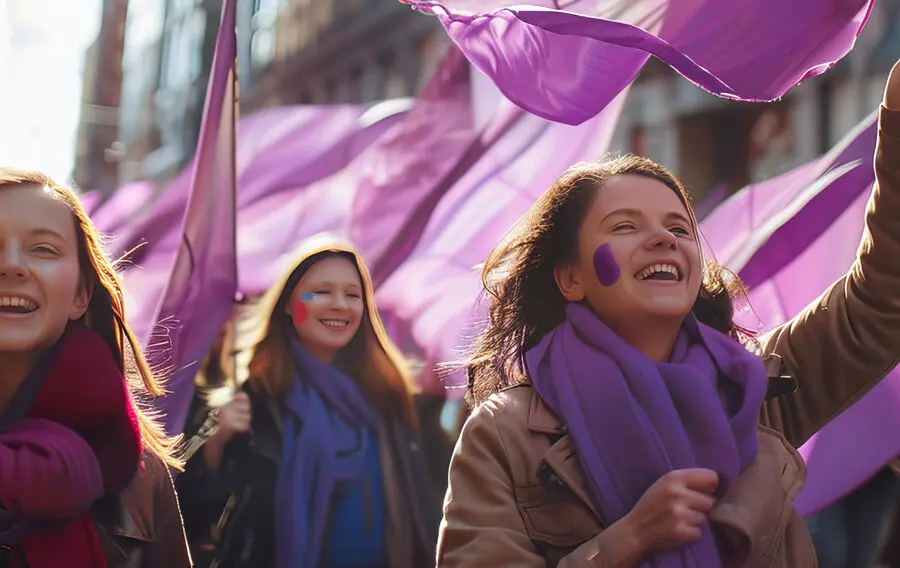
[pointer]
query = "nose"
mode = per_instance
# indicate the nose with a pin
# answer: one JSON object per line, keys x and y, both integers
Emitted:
{"x": 340, "y": 302}
{"x": 12, "y": 264}
{"x": 662, "y": 238}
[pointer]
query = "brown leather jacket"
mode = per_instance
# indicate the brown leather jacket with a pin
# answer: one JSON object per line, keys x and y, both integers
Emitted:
{"x": 517, "y": 494}
{"x": 142, "y": 528}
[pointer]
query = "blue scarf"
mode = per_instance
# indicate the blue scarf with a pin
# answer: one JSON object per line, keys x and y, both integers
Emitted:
{"x": 323, "y": 450}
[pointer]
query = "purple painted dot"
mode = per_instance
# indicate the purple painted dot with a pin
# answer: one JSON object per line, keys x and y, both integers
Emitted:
{"x": 605, "y": 266}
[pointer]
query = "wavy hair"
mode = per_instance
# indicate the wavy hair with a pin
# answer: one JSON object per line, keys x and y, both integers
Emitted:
{"x": 106, "y": 312}
{"x": 524, "y": 302}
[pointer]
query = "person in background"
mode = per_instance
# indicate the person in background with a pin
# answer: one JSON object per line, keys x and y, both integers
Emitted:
{"x": 319, "y": 449}
{"x": 853, "y": 532}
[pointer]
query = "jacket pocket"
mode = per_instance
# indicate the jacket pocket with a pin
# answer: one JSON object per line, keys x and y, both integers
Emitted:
{"x": 559, "y": 519}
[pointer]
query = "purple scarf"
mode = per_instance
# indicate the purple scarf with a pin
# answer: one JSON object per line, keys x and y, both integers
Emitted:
{"x": 323, "y": 449}
{"x": 633, "y": 420}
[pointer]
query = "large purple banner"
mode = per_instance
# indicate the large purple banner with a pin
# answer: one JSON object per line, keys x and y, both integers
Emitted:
{"x": 565, "y": 60}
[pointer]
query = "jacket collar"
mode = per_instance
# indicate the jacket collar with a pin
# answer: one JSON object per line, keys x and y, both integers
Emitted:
{"x": 560, "y": 457}
{"x": 129, "y": 517}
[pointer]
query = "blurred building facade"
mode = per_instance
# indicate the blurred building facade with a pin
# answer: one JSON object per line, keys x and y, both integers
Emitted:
{"x": 712, "y": 143}
{"x": 341, "y": 51}
{"x": 96, "y": 137}
{"x": 290, "y": 52}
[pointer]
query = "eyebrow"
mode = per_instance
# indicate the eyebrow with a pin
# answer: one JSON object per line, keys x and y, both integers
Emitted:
{"x": 330, "y": 283}
{"x": 44, "y": 232}
{"x": 638, "y": 213}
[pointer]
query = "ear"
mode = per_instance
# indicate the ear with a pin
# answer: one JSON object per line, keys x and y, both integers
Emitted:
{"x": 569, "y": 281}
{"x": 81, "y": 302}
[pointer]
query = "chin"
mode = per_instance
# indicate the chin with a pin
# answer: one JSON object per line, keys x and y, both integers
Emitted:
{"x": 668, "y": 310}
{"x": 18, "y": 344}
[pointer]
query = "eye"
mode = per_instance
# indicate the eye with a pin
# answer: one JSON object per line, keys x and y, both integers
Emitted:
{"x": 355, "y": 295}
{"x": 322, "y": 292}
{"x": 680, "y": 231}
{"x": 45, "y": 249}
{"x": 624, "y": 227}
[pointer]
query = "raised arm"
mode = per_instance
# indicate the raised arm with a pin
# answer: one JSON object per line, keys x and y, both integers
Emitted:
{"x": 842, "y": 344}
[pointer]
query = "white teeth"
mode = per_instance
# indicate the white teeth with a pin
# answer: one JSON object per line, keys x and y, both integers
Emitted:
{"x": 17, "y": 302}
{"x": 647, "y": 272}
{"x": 335, "y": 323}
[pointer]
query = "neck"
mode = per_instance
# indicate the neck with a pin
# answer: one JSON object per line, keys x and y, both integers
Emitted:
{"x": 324, "y": 355}
{"x": 14, "y": 368}
{"x": 655, "y": 339}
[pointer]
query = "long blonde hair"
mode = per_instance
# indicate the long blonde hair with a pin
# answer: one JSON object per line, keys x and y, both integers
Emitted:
{"x": 106, "y": 311}
{"x": 372, "y": 359}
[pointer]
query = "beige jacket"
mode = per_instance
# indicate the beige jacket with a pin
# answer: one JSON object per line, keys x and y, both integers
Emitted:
{"x": 517, "y": 495}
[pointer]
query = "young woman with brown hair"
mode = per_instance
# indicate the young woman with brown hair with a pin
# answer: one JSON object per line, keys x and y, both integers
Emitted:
{"x": 315, "y": 461}
{"x": 68, "y": 361}
{"x": 620, "y": 421}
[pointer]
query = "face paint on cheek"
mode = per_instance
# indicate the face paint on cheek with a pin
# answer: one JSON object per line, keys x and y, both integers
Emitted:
{"x": 605, "y": 266}
{"x": 301, "y": 312}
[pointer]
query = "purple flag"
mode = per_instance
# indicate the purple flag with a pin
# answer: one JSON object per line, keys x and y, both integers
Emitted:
{"x": 265, "y": 224}
{"x": 790, "y": 238}
{"x": 91, "y": 200}
{"x": 407, "y": 172}
{"x": 435, "y": 290}
{"x": 277, "y": 149}
{"x": 566, "y": 60}
{"x": 199, "y": 295}
{"x": 712, "y": 200}
{"x": 741, "y": 225}
{"x": 122, "y": 206}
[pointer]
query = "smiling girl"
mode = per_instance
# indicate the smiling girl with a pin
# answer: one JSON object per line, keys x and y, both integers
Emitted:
{"x": 314, "y": 461}
{"x": 68, "y": 367}
{"x": 619, "y": 422}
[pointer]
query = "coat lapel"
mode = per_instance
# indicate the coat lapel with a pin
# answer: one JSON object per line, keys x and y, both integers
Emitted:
{"x": 560, "y": 457}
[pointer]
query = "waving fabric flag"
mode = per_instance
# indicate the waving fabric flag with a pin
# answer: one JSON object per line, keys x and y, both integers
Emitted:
{"x": 790, "y": 238}
{"x": 91, "y": 200}
{"x": 122, "y": 205}
{"x": 410, "y": 173}
{"x": 436, "y": 290}
{"x": 742, "y": 224}
{"x": 381, "y": 195}
{"x": 277, "y": 150}
{"x": 565, "y": 60}
{"x": 203, "y": 281}
{"x": 407, "y": 171}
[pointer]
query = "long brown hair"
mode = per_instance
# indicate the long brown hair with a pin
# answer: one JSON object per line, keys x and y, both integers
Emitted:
{"x": 106, "y": 312}
{"x": 371, "y": 358}
{"x": 524, "y": 300}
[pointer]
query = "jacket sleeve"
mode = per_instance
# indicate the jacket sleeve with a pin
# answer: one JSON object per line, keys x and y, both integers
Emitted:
{"x": 482, "y": 525}
{"x": 842, "y": 344}
{"x": 170, "y": 548}
{"x": 203, "y": 493}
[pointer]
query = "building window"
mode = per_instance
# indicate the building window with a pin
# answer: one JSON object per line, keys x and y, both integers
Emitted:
{"x": 262, "y": 33}
{"x": 183, "y": 46}
{"x": 395, "y": 84}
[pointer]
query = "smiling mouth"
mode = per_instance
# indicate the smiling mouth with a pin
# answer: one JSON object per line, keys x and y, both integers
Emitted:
{"x": 660, "y": 272}
{"x": 16, "y": 305}
{"x": 335, "y": 324}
